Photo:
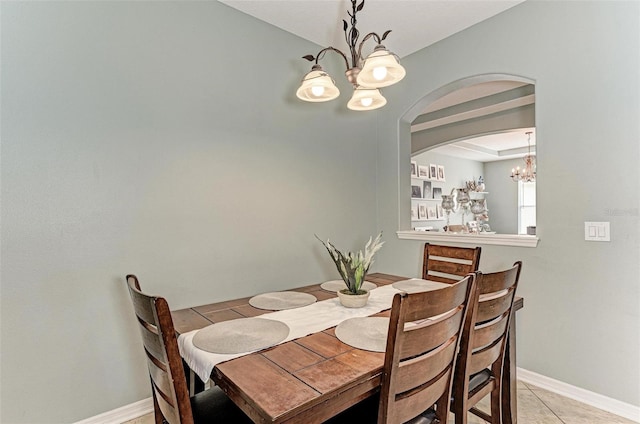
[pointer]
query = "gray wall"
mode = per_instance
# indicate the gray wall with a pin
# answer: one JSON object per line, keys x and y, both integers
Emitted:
{"x": 503, "y": 210}
{"x": 581, "y": 322}
{"x": 135, "y": 140}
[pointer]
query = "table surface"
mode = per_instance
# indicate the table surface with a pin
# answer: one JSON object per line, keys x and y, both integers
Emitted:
{"x": 306, "y": 380}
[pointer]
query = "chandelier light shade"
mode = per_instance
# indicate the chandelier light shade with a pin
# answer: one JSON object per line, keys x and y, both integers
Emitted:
{"x": 366, "y": 99}
{"x": 317, "y": 86}
{"x": 528, "y": 173}
{"x": 380, "y": 69}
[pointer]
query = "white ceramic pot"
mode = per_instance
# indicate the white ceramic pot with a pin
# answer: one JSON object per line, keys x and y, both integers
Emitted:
{"x": 353, "y": 300}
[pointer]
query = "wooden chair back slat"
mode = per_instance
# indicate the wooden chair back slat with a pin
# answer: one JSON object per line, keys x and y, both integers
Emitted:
{"x": 420, "y": 338}
{"x": 490, "y": 331}
{"x": 417, "y": 375}
{"x": 485, "y": 357}
{"x": 159, "y": 377}
{"x": 494, "y": 307}
{"x": 448, "y": 264}
{"x": 498, "y": 281}
{"x": 431, "y": 304}
{"x": 484, "y": 340}
{"x": 466, "y": 253}
{"x": 408, "y": 407}
{"x": 170, "y": 393}
{"x": 414, "y": 372}
{"x": 153, "y": 343}
{"x": 441, "y": 279}
{"x": 452, "y": 268}
{"x": 169, "y": 412}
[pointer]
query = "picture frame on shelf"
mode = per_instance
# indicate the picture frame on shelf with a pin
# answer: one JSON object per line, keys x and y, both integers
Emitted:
{"x": 426, "y": 189}
{"x": 416, "y": 192}
{"x": 414, "y": 212}
{"x": 431, "y": 212}
{"x": 433, "y": 172}
{"x": 414, "y": 168}
{"x": 437, "y": 193}
{"x": 423, "y": 171}
{"x": 473, "y": 226}
{"x": 422, "y": 211}
{"x": 439, "y": 210}
{"x": 441, "y": 173}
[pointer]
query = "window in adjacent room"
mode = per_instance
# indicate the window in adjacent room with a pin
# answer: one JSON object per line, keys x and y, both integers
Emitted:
{"x": 526, "y": 206}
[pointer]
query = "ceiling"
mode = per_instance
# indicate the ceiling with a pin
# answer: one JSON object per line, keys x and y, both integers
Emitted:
{"x": 320, "y": 21}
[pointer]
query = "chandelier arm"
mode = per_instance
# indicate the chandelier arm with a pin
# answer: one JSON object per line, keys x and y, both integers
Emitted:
{"x": 366, "y": 37}
{"x": 321, "y": 53}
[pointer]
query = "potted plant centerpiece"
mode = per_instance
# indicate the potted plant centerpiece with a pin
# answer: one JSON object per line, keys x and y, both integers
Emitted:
{"x": 353, "y": 268}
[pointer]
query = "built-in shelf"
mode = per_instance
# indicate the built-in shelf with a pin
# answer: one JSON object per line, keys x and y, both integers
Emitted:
{"x": 428, "y": 200}
{"x": 428, "y": 219}
{"x": 516, "y": 240}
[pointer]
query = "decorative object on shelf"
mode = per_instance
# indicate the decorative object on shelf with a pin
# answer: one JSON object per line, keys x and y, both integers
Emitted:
{"x": 423, "y": 171}
{"x": 478, "y": 208}
{"x": 416, "y": 192}
{"x": 441, "y": 173}
{"x": 380, "y": 69}
{"x": 528, "y": 174}
{"x": 473, "y": 186}
{"x": 414, "y": 169}
{"x": 480, "y": 185}
{"x": 447, "y": 206}
{"x": 353, "y": 268}
{"x": 462, "y": 198}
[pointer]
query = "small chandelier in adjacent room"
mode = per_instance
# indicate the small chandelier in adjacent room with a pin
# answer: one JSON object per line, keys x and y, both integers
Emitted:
{"x": 380, "y": 69}
{"x": 528, "y": 174}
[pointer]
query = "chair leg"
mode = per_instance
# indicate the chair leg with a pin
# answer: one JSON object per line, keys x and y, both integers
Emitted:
{"x": 461, "y": 412}
{"x": 496, "y": 415}
{"x": 442, "y": 408}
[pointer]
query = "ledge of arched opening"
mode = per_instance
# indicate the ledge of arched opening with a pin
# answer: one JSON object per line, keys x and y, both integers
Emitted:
{"x": 405, "y": 230}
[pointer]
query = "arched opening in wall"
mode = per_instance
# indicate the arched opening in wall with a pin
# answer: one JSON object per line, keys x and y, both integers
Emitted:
{"x": 466, "y": 138}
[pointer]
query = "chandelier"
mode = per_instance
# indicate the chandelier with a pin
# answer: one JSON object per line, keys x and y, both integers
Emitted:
{"x": 528, "y": 174}
{"x": 380, "y": 69}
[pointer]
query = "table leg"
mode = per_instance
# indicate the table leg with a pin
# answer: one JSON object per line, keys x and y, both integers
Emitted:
{"x": 509, "y": 378}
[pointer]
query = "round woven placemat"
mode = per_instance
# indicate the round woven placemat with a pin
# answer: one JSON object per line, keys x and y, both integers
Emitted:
{"x": 278, "y": 301}
{"x": 366, "y": 333}
{"x": 416, "y": 285}
{"x": 240, "y": 335}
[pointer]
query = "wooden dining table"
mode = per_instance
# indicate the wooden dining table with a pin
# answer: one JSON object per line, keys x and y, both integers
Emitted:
{"x": 313, "y": 378}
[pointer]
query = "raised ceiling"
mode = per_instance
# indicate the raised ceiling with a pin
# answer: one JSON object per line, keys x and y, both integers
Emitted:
{"x": 502, "y": 111}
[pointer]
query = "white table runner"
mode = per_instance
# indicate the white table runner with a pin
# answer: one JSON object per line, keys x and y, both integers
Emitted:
{"x": 301, "y": 321}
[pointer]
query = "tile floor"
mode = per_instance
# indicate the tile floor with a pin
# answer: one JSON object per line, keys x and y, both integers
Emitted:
{"x": 535, "y": 406}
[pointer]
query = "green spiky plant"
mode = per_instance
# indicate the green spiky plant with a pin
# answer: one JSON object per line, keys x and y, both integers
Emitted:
{"x": 353, "y": 267}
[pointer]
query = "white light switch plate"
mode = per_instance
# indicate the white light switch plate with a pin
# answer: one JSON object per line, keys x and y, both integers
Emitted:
{"x": 597, "y": 231}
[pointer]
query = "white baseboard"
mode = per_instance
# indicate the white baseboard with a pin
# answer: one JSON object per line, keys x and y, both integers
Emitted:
{"x": 599, "y": 401}
{"x": 122, "y": 414}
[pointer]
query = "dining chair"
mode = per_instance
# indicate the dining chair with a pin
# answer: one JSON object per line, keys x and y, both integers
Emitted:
{"x": 171, "y": 400}
{"x": 448, "y": 264}
{"x": 483, "y": 346}
{"x": 422, "y": 344}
